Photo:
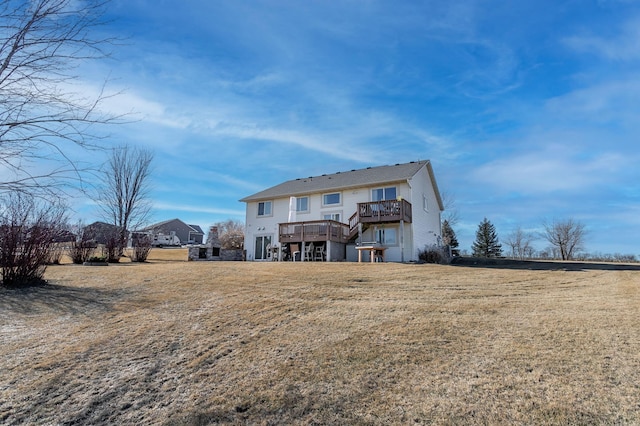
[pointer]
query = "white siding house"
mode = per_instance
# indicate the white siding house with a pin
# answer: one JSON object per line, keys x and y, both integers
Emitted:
{"x": 396, "y": 208}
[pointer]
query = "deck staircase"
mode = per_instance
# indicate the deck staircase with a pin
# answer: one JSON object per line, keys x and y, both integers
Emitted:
{"x": 378, "y": 212}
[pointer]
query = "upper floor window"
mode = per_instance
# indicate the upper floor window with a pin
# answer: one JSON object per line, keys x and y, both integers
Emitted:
{"x": 302, "y": 204}
{"x": 425, "y": 203}
{"x": 264, "y": 208}
{"x": 381, "y": 194}
{"x": 331, "y": 199}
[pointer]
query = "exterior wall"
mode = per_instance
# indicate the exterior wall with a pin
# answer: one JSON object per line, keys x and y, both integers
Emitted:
{"x": 335, "y": 251}
{"x": 426, "y": 221}
{"x": 424, "y": 229}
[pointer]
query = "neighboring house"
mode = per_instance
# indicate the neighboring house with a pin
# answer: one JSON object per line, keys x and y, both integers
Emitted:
{"x": 394, "y": 207}
{"x": 100, "y": 232}
{"x": 186, "y": 234}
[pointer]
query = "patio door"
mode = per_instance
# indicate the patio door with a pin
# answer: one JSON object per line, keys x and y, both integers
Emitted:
{"x": 261, "y": 251}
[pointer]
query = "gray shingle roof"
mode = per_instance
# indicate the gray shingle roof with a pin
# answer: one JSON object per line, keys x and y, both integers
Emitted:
{"x": 340, "y": 181}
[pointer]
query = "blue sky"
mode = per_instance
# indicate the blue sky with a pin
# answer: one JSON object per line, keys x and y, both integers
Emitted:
{"x": 528, "y": 110}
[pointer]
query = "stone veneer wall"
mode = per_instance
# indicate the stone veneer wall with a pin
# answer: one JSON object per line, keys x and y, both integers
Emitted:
{"x": 224, "y": 254}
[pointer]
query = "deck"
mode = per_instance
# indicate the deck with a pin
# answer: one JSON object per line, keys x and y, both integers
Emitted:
{"x": 315, "y": 230}
{"x": 380, "y": 212}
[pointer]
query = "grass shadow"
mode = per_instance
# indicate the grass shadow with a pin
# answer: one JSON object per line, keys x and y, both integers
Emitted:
{"x": 540, "y": 265}
{"x": 61, "y": 299}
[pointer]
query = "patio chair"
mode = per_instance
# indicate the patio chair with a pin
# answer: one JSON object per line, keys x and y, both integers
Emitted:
{"x": 319, "y": 253}
{"x": 308, "y": 252}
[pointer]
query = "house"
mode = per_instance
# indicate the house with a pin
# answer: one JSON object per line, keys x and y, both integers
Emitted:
{"x": 170, "y": 229}
{"x": 389, "y": 211}
{"x": 100, "y": 232}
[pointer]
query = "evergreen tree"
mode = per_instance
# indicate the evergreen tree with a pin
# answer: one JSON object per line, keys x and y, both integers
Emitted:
{"x": 448, "y": 235}
{"x": 486, "y": 244}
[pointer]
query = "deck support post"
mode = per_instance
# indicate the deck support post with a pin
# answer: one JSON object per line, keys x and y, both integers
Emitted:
{"x": 402, "y": 241}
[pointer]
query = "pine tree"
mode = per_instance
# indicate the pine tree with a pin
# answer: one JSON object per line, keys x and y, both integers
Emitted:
{"x": 486, "y": 244}
{"x": 448, "y": 235}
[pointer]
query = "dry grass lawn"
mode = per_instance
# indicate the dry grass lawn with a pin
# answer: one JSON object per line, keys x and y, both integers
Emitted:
{"x": 173, "y": 343}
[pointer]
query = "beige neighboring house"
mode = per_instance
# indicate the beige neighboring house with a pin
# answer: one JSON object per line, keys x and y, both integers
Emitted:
{"x": 394, "y": 210}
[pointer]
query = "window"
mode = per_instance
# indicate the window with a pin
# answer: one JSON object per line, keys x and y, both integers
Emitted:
{"x": 302, "y": 204}
{"x": 386, "y": 236}
{"x": 264, "y": 208}
{"x": 332, "y": 216}
{"x": 425, "y": 203}
{"x": 381, "y": 194}
{"x": 329, "y": 199}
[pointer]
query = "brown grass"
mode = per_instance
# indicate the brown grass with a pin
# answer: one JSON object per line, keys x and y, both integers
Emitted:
{"x": 333, "y": 343}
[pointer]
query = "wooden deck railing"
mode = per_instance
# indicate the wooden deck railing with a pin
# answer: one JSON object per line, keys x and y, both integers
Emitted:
{"x": 380, "y": 212}
{"x": 316, "y": 230}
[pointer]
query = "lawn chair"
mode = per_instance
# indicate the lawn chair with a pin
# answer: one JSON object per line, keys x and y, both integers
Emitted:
{"x": 319, "y": 253}
{"x": 308, "y": 252}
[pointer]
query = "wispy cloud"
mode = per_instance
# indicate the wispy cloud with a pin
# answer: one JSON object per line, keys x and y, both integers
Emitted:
{"x": 197, "y": 209}
{"x": 550, "y": 171}
{"x": 621, "y": 46}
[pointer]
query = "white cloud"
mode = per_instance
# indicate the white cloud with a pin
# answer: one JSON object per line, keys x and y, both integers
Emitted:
{"x": 197, "y": 209}
{"x": 624, "y": 46}
{"x": 613, "y": 100}
{"x": 551, "y": 170}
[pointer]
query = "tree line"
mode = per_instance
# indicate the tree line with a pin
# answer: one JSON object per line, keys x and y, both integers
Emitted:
{"x": 566, "y": 238}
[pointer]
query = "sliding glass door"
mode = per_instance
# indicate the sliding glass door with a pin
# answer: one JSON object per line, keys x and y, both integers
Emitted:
{"x": 263, "y": 244}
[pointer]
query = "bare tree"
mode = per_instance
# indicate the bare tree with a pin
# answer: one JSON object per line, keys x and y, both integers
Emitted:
{"x": 42, "y": 42}
{"x": 567, "y": 236}
{"x": 520, "y": 243}
{"x": 28, "y": 231}
{"x": 231, "y": 234}
{"x": 451, "y": 214}
{"x": 124, "y": 198}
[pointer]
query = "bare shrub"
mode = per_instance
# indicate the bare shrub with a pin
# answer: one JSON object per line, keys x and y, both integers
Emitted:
{"x": 28, "y": 231}
{"x": 141, "y": 247}
{"x": 55, "y": 254}
{"x": 82, "y": 247}
{"x": 435, "y": 254}
{"x": 113, "y": 247}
